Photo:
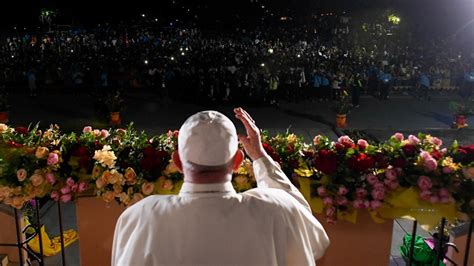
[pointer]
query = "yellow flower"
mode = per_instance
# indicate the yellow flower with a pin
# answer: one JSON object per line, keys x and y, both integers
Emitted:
{"x": 291, "y": 138}
{"x": 105, "y": 157}
{"x": 241, "y": 180}
{"x": 42, "y": 152}
{"x": 36, "y": 180}
{"x": 171, "y": 169}
{"x": 468, "y": 172}
{"x": 3, "y": 128}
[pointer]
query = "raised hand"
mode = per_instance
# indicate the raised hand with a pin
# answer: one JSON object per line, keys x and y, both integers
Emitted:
{"x": 251, "y": 142}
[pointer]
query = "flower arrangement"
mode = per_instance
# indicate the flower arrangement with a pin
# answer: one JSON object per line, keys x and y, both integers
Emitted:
{"x": 344, "y": 176}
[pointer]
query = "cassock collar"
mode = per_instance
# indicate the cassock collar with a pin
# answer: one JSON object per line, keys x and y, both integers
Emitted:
{"x": 218, "y": 189}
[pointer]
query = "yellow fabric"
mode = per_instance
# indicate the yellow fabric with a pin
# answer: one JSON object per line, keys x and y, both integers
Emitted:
{"x": 52, "y": 247}
{"x": 405, "y": 203}
{"x": 348, "y": 216}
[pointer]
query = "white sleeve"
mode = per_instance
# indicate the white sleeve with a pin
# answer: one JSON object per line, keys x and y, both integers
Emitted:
{"x": 269, "y": 175}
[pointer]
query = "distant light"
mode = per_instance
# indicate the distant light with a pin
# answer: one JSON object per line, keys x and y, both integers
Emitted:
{"x": 172, "y": 58}
{"x": 143, "y": 15}
{"x": 284, "y": 18}
{"x": 14, "y": 28}
{"x": 298, "y": 55}
{"x": 13, "y": 56}
{"x": 181, "y": 49}
{"x": 270, "y": 51}
{"x": 394, "y": 19}
{"x": 146, "y": 62}
{"x": 156, "y": 20}
{"x": 186, "y": 48}
{"x": 182, "y": 53}
{"x": 263, "y": 6}
{"x": 262, "y": 64}
{"x": 72, "y": 51}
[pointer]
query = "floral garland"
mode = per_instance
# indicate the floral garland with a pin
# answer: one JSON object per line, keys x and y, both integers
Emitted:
{"x": 338, "y": 178}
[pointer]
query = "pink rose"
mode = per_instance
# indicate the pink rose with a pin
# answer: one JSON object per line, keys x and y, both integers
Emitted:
{"x": 424, "y": 183}
{"x": 398, "y": 136}
{"x": 342, "y": 191}
{"x": 363, "y": 144}
{"x": 53, "y": 159}
{"x": 331, "y": 220}
{"x": 436, "y": 141}
{"x": 443, "y": 151}
{"x": 331, "y": 212}
{"x": 104, "y": 133}
{"x": 70, "y": 182}
{"x": 425, "y": 195}
{"x": 82, "y": 187}
{"x": 21, "y": 175}
{"x": 444, "y": 192}
{"x": 50, "y": 178}
{"x": 447, "y": 170}
{"x": 413, "y": 140}
{"x": 65, "y": 190}
{"x": 372, "y": 179}
{"x": 379, "y": 186}
{"x": 147, "y": 188}
{"x": 360, "y": 204}
{"x": 445, "y": 200}
{"x": 434, "y": 199}
{"x": 378, "y": 194}
{"x": 375, "y": 204}
{"x": 66, "y": 198}
{"x": 391, "y": 174}
{"x": 361, "y": 193}
{"x": 345, "y": 139}
{"x": 74, "y": 188}
{"x": 55, "y": 195}
{"x": 96, "y": 132}
{"x": 342, "y": 201}
{"x": 316, "y": 140}
{"x": 87, "y": 129}
{"x": 425, "y": 155}
{"x": 328, "y": 201}
{"x": 430, "y": 164}
{"x": 322, "y": 191}
{"x": 391, "y": 184}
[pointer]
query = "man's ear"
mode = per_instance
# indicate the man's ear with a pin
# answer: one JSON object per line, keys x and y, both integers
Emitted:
{"x": 238, "y": 159}
{"x": 177, "y": 161}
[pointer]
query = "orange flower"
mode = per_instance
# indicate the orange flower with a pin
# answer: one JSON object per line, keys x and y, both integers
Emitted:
{"x": 147, "y": 188}
{"x": 36, "y": 180}
{"x": 42, "y": 152}
{"x": 130, "y": 176}
{"x": 99, "y": 183}
{"x": 21, "y": 175}
{"x": 108, "y": 196}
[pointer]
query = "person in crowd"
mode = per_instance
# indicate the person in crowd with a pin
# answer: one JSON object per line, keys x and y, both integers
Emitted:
{"x": 385, "y": 83}
{"x": 423, "y": 86}
{"x": 209, "y": 223}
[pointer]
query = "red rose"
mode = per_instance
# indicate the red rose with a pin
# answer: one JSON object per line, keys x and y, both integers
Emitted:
{"x": 326, "y": 161}
{"x": 290, "y": 148}
{"x": 147, "y": 163}
{"x": 466, "y": 153}
{"x": 149, "y": 151}
{"x": 409, "y": 149}
{"x": 399, "y": 162}
{"x": 340, "y": 147}
{"x": 436, "y": 154}
{"x": 21, "y": 130}
{"x": 361, "y": 162}
{"x": 85, "y": 162}
{"x": 14, "y": 144}
{"x": 81, "y": 151}
{"x": 271, "y": 152}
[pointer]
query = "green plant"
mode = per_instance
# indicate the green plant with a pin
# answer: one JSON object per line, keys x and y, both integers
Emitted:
{"x": 343, "y": 105}
{"x": 114, "y": 102}
{"x": 461, "y": 108}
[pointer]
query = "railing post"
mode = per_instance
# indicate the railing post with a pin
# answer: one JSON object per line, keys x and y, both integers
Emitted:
{"x": 468, "y": 243}
{"x": 412, "y": 243}
{"x": 63, "y": 257}
{"x": 439, "y": 244}
{"x": 18, "y": 239}
{"x": 38, "y": 222}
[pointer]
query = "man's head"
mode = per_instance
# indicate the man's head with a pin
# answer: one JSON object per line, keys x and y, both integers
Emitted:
{"x": 208, "y": 148}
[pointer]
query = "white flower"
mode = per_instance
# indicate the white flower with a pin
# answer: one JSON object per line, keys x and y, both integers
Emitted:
{"x": 105, "y": 157}
{"x": 3, "y": 128}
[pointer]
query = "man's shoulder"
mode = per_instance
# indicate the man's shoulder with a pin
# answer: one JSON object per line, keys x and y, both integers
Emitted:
{"x": 271, "y": 196}
{"x": 147, "y": 204}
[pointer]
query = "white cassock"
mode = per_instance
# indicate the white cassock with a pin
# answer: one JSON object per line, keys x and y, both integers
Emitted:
{"x": 211, "y": 224}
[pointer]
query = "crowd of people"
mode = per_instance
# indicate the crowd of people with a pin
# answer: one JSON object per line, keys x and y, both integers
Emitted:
{"x": 318, "y": 61}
